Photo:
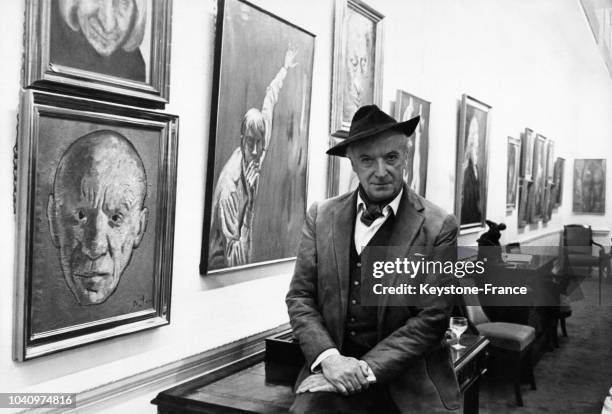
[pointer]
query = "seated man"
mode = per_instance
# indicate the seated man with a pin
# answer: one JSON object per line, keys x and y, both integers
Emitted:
{"x": 370, "y": 359}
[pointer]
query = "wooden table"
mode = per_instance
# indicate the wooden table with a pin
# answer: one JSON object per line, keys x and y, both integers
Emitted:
{"x": 242, "y": 387}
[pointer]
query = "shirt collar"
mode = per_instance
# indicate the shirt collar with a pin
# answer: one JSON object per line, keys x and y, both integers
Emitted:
{"x": 393, "y": 205}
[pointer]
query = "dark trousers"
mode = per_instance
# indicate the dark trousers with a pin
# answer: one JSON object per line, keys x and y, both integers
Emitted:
{"x": 374, "y": 400}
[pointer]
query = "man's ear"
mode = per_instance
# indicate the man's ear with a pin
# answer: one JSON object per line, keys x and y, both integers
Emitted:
{"x": 52, "y": 219}
{"x": 143, "y": 218}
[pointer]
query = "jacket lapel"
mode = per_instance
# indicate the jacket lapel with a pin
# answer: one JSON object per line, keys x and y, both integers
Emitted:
{"x": 408, "y": 223}
{"x": 343, "y": 221}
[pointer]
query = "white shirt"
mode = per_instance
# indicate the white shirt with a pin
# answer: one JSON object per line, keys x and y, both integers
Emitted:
{"x": 363, "y": 235}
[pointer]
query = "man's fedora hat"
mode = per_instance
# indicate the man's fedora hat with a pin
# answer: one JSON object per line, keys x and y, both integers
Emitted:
{"x": 368, "y": 121}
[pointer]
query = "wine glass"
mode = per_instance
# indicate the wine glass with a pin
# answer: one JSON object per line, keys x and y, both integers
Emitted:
{"x": 458, "y": 324}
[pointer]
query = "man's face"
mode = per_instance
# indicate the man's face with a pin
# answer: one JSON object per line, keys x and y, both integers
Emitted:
{"x": 379, "y": 163}
{"x": 105, "y": 23}
{"x": 97, "y": 219}
{"x": 252, "y": 146}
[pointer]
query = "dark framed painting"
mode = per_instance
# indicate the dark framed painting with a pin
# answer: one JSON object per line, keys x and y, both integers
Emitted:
{"x": 408, "y": 106}
{"x": 104, "y": 49}
{"x": 527, "y": 143}
{"x": 358, "y": 62}
{"x": 589, "y": 195}
{"x": 537, "y": 190}
{"x": 548, "y": 202}
{"x": 558, "y": 181}
{"x": 342, "y": 178}
{"x": 512, "y": 172}
{"x": 523, "y": 200}
{"x": 255, "y": 197}
{"x": 471, "y": 168}
{"x": 96, "y": 202}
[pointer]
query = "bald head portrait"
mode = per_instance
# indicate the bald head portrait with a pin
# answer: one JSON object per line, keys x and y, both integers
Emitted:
{"x": 96, "y": 213}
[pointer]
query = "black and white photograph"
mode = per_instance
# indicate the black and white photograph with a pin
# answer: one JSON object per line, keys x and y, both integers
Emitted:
{"x": 306, "y": 207}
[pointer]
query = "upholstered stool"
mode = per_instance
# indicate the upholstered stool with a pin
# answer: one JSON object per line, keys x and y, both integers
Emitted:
{"x": 510, "y": 342}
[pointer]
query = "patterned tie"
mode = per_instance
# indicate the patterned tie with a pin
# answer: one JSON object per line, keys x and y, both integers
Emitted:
{"x": 373, "y": 210}
{"x": 371, "y": 213}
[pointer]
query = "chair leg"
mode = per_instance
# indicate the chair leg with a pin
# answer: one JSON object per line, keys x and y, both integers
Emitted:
{"x": 531, "y": 375}
{"x": 563, "y": 329}
{"x": 517, "y": 382}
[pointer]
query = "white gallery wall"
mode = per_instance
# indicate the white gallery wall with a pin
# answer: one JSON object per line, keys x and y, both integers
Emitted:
{"x": 534, "y": 61}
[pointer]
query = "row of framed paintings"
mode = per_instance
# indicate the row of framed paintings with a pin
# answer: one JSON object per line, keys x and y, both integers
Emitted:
{"x": 541, "y": 177}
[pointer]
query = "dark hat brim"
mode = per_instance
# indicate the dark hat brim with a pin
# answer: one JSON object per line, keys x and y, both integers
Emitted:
{"x": 406, "y": 127}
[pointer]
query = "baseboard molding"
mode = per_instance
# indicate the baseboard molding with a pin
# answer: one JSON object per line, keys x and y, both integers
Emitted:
{"x": 171, "y": 374}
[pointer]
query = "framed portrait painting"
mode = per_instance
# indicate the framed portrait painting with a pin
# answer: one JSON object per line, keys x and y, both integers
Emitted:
{"x": 96, "y": 186}
{"x": 537, "y": 190}
{"x": 527, "y": 143}
{"x": 512, "y": 172}
{"x": 105, "y": 49}
{"x": 408, "y": 106}
{"x": 255, "y": 197}
{"x": 589, "y": 195}
{"x": 558, "y": 181}
{"x": 357, "y": 64}
{"x": 471, "y": 168}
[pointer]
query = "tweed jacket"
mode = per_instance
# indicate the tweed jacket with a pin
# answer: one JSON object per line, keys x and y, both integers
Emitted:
{"x": 411, "y": 358}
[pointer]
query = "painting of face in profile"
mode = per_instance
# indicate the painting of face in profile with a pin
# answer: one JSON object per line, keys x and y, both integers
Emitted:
{"x": 118, "y": 46}
{"x": 357, "y": 78}
{"x": 408, "y": 106}
{"x": 589, "y": 186}
{"x": 514, "y": 154}
{"x": 97, "y": 221}
{"x": 471, "y": 170}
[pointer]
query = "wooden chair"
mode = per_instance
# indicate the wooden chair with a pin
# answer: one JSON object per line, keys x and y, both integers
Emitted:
{"x": 510, "y": 342}
{"x": 578, "y": 252}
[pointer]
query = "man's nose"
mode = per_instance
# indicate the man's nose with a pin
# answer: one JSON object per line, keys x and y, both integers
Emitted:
{"x": 381, "y": 169}
{"x": 95, "y": 241}
{"x": 255, "y": 149}
{"x": 106, "y": 15}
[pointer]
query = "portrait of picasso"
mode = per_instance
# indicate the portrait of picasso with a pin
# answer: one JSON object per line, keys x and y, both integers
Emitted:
{"x": 96, "y": 213}
{"x": 96, "y": 222}
{"x": 256, "y": 199}
{"x": 109, "y": 37}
